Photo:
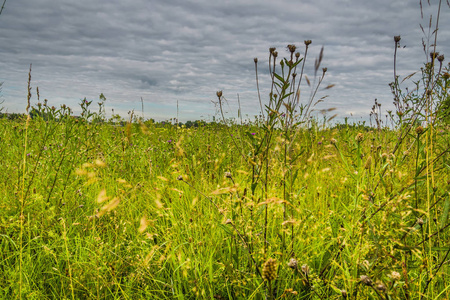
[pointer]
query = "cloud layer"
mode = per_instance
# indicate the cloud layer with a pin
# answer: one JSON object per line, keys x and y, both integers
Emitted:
{"x": 184, "y": 51}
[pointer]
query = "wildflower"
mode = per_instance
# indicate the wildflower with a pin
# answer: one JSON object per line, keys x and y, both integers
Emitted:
{"x": 291, "y": 48}
{"x": 419, "y": 130}
{"x": 395, "y": 275}
{"x": 292, "y": 263}
{"x": 269, "y": 272}
{"x": 359, "y": 137}
{"x": 381, "y": 287}
{"x": 253, "y": 133}
{"x": 368, "y": 163}
{"x": 305, "y": 269}
{"x": 365, "y": 280}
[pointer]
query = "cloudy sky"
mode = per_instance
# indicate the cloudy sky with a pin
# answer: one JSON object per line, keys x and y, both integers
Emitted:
{"x": 183, "y": 51}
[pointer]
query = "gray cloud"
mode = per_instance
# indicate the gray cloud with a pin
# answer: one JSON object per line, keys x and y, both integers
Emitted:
{"x": 184, "y": 51}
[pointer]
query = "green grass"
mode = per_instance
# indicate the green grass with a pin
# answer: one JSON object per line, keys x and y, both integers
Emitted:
{"x": 206, "y": 234}
{"x": 277, "y": 208}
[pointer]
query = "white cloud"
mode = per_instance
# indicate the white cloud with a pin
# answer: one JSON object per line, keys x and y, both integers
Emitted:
{"x": 169, "y": 51}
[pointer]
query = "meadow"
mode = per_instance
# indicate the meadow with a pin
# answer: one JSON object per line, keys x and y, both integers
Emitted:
{"x": 281, "y": 207}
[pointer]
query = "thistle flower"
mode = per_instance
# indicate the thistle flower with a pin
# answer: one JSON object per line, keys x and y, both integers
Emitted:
{"x": 433, "y": 55}
{"x": 397, "y": 38}
{"x": 419, "y": 130}
{"x": 269, "y": 271}
{"x": 308, "y": 42}
{"x": 291, "y": 48}
{"x": 359, "y": 137}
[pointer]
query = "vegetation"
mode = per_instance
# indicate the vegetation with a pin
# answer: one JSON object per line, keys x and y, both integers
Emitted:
{"x": 279, "y": 207}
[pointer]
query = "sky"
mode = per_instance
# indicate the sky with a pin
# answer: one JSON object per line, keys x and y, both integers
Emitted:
{"x": 172, "y": 56}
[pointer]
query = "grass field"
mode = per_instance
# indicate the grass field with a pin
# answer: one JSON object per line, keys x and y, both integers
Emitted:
{"x": 276, "y": 208}
{"x": 160, "y": 212}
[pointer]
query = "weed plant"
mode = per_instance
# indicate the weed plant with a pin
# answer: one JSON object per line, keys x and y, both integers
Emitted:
{"x": 277, "y": 208}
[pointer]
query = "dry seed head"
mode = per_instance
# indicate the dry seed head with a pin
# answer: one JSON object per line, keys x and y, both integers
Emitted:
{"x": 297, "y": 55}
{"x": 305, "y": 269}
{"x": 440, "y": 58}
{"x": 293, "y": 264}
{"x": 272, "y": 50}
{"x": 397, "y": 38}
{"x": 365, "y": 280}
{"x": 275, "y": 53}
{"x": 359, "y": 137}
{"x": 368, "y": 162}
{"x": 255, "y": 60}
{"x": 395, "y": 275}
{"x": 419, "y": 130}
{"x": 344, "y": 294}
{"x": 433, "y": 55}
{"x": 180, "y": 177}
{"x": 219, "y": 94}
{"x": 324, "y": 70}
{"x": 291, "y": 48}
{"x": 269, "y": 272}
{"x": 420, "y": 221}
{"x": 228, "y": 175}
{"x": 333, "y": 141}
{"x": 380, "y": 286}
{"x": 308, "y": 42}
